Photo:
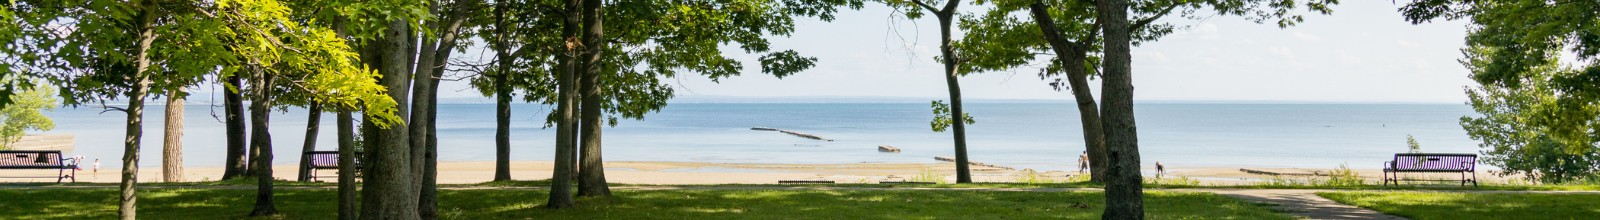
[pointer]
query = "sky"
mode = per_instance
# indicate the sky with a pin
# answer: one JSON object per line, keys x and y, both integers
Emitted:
{"x": 1364, "y": 52}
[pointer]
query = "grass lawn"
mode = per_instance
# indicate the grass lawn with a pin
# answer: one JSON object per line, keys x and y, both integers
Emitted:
{"x": 650, "y": 204}
{"x": 1465, "y": 205}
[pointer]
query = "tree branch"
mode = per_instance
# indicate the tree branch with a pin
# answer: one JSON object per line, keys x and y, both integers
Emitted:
{"x": 926, "y": 6}
{"x": 1141, "y": 23}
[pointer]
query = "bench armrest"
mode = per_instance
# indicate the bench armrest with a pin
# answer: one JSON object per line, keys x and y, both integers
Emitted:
{"x": 69, "y": 162}
{"x": 1388, "y": 164}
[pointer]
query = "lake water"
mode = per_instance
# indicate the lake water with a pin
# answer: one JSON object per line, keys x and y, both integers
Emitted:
{"x": 1034, "y": 135}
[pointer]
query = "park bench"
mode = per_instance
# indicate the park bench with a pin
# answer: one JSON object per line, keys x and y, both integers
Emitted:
{"x": 66, "y": 168}
{"x": 1431, "y": 163}
{"x": 327, "y": 160}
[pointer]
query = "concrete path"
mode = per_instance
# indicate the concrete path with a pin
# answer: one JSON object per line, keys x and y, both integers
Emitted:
{"x": 1299, "y": 202}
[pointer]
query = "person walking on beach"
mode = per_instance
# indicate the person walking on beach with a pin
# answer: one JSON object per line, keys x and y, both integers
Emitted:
{"x": 1083, "y": 162}
{"x": 1160, "y": 169}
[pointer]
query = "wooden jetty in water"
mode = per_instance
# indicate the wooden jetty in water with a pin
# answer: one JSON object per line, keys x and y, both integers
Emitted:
{"x": 797, "y": 134}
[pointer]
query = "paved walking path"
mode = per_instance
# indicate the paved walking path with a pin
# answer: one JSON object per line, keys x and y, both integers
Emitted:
{"x": 1300, "y": 202}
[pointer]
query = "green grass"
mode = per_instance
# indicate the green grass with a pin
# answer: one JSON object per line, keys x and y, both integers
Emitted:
{"x": 1465, "y": 205}
{"x": 652, "y": 204}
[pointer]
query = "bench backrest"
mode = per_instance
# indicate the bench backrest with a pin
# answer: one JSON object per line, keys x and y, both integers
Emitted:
{"x": 328, "y": 159}
{"x": 31, "y": 159}
{"x": 1434, "y": 162}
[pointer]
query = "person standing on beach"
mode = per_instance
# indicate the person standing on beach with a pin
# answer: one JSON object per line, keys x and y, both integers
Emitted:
{"x": 1160, "y": 169}
{"x": 1083, "y": 162}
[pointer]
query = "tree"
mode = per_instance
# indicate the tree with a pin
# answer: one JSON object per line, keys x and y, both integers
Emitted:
{"x": 313, "y": 123}
{"x": 1124, "y": 189}
{"x": 233, "y": 105}
{"x": 1512, "y": 43}
{"x": 26, "y": 112}
{"x": 1068, "y": 30}
{"x": 591, "y": 172}
{"x": 172, "y": 139}
{"x": 946, "y": 15}
{"x": 1506, "y": 127}
{"x": 566, "y": 112}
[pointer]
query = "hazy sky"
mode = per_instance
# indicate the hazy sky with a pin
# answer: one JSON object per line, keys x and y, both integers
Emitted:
{"x": 1364, "y": 52}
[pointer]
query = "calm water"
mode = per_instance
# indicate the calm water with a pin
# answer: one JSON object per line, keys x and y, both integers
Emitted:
{"x": 1024, "y": 135}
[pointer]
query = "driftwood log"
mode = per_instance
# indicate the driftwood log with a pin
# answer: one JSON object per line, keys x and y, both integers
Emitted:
{"x": 947, "y": 159}
{"x": 887, "y": 148}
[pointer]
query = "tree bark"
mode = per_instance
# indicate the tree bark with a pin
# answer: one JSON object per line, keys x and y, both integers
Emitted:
{"x": 591, "y": 174}
{"x": 418, "y": 119}
{"x": 429, "y": 197}
{"x": 347, "y": 166}
{"x": 952, "y": 81}
{"x": 348, "y": 206}
{"x": 172, "y": 150}
{"x": 127, "y": 208}
{"x": 1074, "y": 56}
{"x": 233, "y": 103}
{"x": 502, "y": 93}
{"x": 387, "y": 191}
{"x": 1124, "y": 192}
{"x": 261, "y": 139}
{"x": 567, "y": 98}
{"x": 313, "y": 122}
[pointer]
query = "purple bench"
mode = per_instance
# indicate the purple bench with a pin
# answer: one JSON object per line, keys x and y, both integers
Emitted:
{"x": 327, "y": 160}
{"x": 42, "y": 160}
{"x": 1431, "y": 163}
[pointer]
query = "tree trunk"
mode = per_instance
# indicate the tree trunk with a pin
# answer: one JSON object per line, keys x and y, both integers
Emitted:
{"x": 233, "y": 103}
{"x": 430, "y": 69}
{"x": 1124, "y": 192}
{"x": 260, "y": 138}
{"x": 418, "y": 119}
{"x": 502, "y": 93}
{"x": 388, "y": 193}
{"x": 127, "y": 208}
{"x": 172, "y": 150}
{"x": 591, "y": 174}
{"x": 348, "y": 206}
{"x": 313, "y": 122}
{"x": 957, "y": 116}
{"x": 566, "y": 125}
{"x": 1073, "y": 56}
{"x": 347, "y": 166}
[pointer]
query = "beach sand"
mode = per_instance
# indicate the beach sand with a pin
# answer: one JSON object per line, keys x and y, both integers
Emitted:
{"x": 683, "y": 173}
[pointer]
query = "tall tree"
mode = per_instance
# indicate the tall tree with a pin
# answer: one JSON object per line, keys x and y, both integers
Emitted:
{"x": 388, "y": 192}
{"x": 591, "y": 173}
{"x": 233, "y": 105}
{"x": 434, "y": 55}
{"x": 957, "y": 119}
{"x": 566, "y": 112}
{"x": 172, "y": 139}
{"x": 1124, "y": 189}
{"x": 1538, "y": 110}
{"x": 502, "y": 91}
{"x": 1000, "y": 39}
{"x": 348, "y": 206}
{"x": 313, "y": 123}
{"x": 260, "y": 138}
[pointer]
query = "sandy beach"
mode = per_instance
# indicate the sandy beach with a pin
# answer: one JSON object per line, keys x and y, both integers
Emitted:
{"x": 676, "y": 173}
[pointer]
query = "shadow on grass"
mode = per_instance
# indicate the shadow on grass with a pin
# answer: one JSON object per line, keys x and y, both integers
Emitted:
{"x": 648, "y": 204}
{"x": 1467, "y": 205}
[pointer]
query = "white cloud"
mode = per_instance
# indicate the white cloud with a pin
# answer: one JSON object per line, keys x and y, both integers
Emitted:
{"x": 1307, "y": 37}
{"x": 1406, "y": 44}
